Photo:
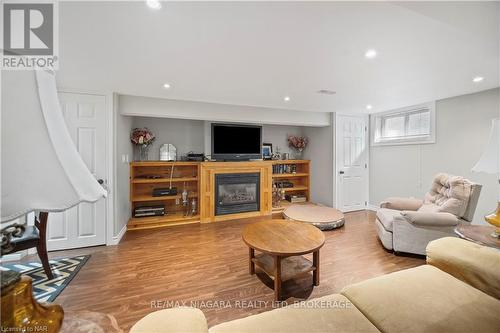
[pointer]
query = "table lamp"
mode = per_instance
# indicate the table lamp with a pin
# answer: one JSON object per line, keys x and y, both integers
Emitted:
{"x": 490, "y": 163}
{"x": 41, "y": 171}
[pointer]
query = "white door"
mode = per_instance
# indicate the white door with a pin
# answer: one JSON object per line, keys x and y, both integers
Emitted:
{"x": 85, "y": 224}
{"x": 352, "y": 162}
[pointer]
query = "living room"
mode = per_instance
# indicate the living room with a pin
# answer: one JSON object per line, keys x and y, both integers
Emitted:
{"x": 251, "y": 166}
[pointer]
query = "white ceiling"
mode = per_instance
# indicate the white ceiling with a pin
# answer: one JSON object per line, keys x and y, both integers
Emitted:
{"x": 255, "y": 53}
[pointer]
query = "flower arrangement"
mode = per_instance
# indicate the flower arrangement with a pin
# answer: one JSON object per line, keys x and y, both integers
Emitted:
{"x": 299, "y": 143}
{"x": 142, "y": 137}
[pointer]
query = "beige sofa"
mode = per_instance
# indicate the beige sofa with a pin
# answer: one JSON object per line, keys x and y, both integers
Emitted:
{"x": 457, "y": 291}
{"x": 408, "y": 224}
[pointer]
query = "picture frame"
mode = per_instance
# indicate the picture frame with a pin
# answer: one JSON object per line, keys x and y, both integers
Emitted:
{"x": 267, "y": 151}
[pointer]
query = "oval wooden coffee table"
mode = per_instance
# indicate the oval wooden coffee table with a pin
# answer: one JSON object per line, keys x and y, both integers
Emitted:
{"x": 282, "y": 244}
{"x": 322, "y": 217}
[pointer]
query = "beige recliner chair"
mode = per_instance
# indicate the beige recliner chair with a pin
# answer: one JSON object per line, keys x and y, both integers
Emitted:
{"x": 409, "y": 224}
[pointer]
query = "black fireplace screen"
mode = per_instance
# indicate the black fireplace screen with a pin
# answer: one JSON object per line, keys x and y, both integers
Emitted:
{"x": 237, "y": 193}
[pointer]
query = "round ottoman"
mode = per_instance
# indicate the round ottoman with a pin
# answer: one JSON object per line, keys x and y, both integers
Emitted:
{"x": 322, "y": 217}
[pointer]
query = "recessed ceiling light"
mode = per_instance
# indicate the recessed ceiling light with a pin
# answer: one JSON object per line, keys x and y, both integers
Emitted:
{"x": 477, "y": 79}
{"x": 286, "y": 98}
{"x": 167, "y": 86}
{"x": 326, "y": 92}
{"x": 153, "y": 4}
{"x": 370, "y": 54}
{"x": 369, "y": 106}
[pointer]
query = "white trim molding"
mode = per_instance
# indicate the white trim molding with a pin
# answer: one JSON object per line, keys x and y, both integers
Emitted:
{"x": 116, "y": 239}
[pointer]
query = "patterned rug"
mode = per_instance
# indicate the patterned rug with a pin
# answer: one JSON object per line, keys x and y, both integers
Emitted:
{"x": 64, "y": 270}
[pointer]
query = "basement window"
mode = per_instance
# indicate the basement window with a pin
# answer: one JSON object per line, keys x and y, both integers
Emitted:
{"x": 411, "y": 125}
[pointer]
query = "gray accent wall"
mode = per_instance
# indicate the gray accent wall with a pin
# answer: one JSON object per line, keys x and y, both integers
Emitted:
{"x": 185, "y": 135}
{"x": 462, "y": 130}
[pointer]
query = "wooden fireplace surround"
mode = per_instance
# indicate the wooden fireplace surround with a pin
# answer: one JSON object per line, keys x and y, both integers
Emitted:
{"x": 207, "y": 187}
{"x": 199, "y": 179}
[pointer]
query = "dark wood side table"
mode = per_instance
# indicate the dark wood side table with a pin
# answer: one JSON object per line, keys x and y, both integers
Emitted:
{"x": 282, "y": 244}
{"x": 480, "y": 234}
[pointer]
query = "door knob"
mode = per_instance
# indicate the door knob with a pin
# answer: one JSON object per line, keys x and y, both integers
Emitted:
{"x": 341, "y": 172}
{"x": 100, "y": 181}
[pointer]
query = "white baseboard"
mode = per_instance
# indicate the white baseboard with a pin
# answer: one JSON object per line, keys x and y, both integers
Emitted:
{"x": 372, "y": 208}
{"x": 116, "y": 239}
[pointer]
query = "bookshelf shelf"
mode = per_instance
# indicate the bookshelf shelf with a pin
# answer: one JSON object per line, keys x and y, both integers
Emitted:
{"x": 148, "y": 176}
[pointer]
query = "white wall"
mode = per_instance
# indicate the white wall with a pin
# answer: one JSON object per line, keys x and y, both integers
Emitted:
{"x": 123, "y": 147}
{"x": 462, "y": 125}
{"x": 185, "y": 135}
{"x": 167, "y": 108}
{"x": 321, "y": 152}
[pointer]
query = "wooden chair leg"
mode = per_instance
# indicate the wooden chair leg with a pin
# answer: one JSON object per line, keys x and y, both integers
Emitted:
{"x": 42, "y": 254}
{"x": 41, "y": 248}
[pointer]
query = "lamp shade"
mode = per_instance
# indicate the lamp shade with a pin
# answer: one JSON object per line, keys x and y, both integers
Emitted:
{"x": 41, "y": 168}
{"x": 490, "y": 160}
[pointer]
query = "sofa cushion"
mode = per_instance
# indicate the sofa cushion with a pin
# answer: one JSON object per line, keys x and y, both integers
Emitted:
{"x": 387, "y": 216}
{"x": 448, "y": 194}
{"x": 182, "y": 319}
{"x": 477, "y": 265}
{"x": 333, "y": 313}
{"x": 424, "y": 299}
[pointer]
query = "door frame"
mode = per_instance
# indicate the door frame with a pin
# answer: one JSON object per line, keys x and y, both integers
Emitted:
{"x": 338, "y": 194}
{"x": 110, "y": 153}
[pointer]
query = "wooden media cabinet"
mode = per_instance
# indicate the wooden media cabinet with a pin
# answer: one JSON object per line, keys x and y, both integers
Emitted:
{"x": 198, "y": 178}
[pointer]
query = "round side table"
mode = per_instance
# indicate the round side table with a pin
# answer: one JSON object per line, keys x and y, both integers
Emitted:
{"x": 479, "y": 234}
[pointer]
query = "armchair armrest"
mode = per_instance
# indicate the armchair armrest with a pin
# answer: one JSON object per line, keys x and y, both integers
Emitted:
{"x": 476, "y": 265}
{"x": 402, "y": 203}
{"x": 431, "y": 219}
{"x": 175, "y": 320}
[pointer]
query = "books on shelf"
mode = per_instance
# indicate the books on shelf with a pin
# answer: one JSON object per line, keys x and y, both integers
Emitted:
{"x": 284, "y": 168}
{"x": 295, "y": 198}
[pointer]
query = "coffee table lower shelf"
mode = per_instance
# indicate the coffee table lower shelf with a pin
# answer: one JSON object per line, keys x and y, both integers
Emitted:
{"x": 290, "y": 267}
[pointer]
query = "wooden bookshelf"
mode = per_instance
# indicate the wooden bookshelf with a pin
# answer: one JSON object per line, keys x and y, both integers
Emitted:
{"x": 301, "y": 179}
{"x": 147, "y": 176}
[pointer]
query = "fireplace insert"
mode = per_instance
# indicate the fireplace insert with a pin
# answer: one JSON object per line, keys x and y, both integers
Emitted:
{"x": 237, "y": 193}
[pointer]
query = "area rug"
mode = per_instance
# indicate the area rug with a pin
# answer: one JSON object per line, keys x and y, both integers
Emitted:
{"x": 64, "y": 270}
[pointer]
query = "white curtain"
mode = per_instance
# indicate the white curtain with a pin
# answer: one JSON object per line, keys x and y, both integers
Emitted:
{"x": 40, "y": 166}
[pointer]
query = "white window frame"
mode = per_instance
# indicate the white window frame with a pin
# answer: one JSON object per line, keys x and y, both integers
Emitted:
{"x": 376, "y": 140}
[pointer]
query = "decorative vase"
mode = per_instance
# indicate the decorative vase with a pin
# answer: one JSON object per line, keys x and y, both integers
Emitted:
{"x": 494, "y": 220}
{"x": 298, "y": 153}
{"x": 143, "y": 151}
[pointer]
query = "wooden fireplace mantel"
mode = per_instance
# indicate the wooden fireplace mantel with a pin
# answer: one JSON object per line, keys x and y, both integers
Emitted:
{"x": 199, "y": 179}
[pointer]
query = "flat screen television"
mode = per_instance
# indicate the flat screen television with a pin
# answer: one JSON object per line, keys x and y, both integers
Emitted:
{"x": 232, "y": 142}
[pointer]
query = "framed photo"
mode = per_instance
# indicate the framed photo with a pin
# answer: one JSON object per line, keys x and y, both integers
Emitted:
{"x": 267, "y": 151}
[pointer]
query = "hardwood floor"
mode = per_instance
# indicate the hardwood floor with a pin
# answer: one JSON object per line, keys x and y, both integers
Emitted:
{"x": 208, "y": 264}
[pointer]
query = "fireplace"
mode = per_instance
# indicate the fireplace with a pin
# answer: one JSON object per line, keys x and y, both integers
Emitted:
{"x": 237, "y": 193}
